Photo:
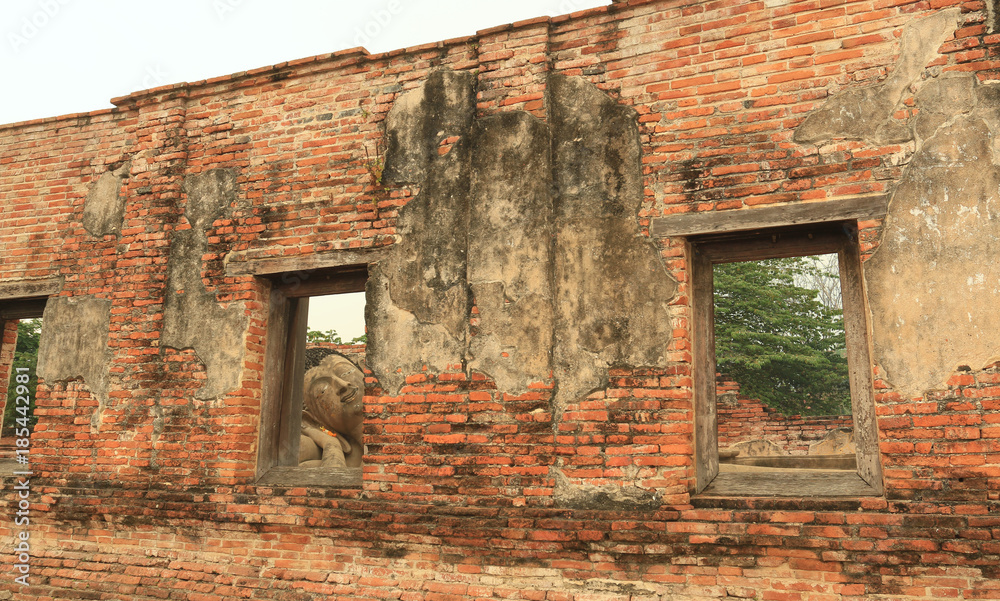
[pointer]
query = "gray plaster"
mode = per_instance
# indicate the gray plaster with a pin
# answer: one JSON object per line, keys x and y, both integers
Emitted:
{"x": 940, "y": 100}
{"x": 399, "y": 344}
{"x": 510, "y": 255}
{"x": 933, "y": 285}
{"x": 104, "y": 207}
{"x": 538, "y": 224}
{"x": 612, "y": 289}
{"x": 74, "y": 346}
{"x": 418, "y": 298}
{"x": 609, "y": 497}
{"x": 444, "y": 105}
{"x": 192, "y": 317}
{"x": 867, "y": 113}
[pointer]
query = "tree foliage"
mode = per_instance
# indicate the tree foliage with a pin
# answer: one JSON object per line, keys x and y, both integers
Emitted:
{"x": 29, "y": 332}
{"x": 777, "y": 340}
{"x": 333, "y": 337}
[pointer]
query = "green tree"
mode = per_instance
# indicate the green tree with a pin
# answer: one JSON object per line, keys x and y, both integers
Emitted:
{"x": 327, "y": 336}
{"x": 332, "y": 336}
{"x": 29, "y": 332}
{"x": 777, "y": 340}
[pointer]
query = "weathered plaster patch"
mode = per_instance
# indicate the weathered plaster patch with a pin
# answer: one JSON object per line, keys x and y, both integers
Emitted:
{"x": 934, "y": 286}
{"x": 441, "y": 107}
{"x": 550, "y": 249}
{"x": 612, "y": 290}
{"x": 988, "y": 97}
{"x": 105, "y": 206}
{"x": 189, "y": 305}
{"x": 941, "y": 100}
{"x": 510, "y": 256}
{"x": 74, "y": 345}
{"x": 866, "y": 113}
{"x": 609, "y": 497}
{"x": 420, "y": 294}
{"x": 399, "y": 344}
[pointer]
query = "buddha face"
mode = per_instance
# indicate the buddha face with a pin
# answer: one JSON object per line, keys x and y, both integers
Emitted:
{"x": 334, "y": 394}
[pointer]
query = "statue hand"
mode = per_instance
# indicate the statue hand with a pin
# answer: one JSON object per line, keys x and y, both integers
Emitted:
{"x": 334, "y": 447}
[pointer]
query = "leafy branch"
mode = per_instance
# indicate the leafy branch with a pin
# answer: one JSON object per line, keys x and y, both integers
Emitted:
{"x": 332, "y": 337}
{"x": 778, "y": 339}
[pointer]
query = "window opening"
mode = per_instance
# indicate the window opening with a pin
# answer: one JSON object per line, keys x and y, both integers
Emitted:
{"x": 19, "y": 412}
{"x": 772, "y": 331}
{"x": 784, "y": 395}
{"x": 334, "y": 383}
{"x": 312, "y": 415}
{"x": 20, "y": 338}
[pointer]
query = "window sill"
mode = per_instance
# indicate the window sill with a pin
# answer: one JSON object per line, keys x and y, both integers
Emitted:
{"x": 773, "y": 483}
{"x": 330, "y": 477}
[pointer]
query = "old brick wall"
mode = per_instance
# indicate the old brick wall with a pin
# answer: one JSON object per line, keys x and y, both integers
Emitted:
{"x": 569, "y": 475}
{"x": 356, "y": 352}
{"x": 747, "y": 420}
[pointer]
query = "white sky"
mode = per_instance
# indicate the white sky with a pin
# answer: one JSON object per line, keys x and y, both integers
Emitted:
{"x": 71, "y": 56}
{"x": 344, "y": 313}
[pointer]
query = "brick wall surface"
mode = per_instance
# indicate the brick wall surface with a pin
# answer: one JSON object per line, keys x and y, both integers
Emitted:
{"x": 157, "y": 499}
{"x": 355, "y": 352}
{"x": 748, "y": 420}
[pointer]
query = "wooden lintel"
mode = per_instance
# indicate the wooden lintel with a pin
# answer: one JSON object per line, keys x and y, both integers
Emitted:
{"x": 30, "y": 289}
{"x": 872, "y": 206}
{"x": 270, "y": 266}
{"x": 22, "y": 309}
{"x": 772, "y": 244}
{"x": 321, "y": 283}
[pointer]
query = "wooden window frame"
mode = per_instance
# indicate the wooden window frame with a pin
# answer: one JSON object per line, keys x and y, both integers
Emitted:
{"x": 284, "y": 370}
{"x": 19, "y": 309}
{"x": 26, "y": 299}
{"x": 707, "y": 250}
{"x": 18, "y": 301}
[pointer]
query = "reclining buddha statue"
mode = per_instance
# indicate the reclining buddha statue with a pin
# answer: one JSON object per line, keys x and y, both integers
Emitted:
{"x": 333, "y": 414}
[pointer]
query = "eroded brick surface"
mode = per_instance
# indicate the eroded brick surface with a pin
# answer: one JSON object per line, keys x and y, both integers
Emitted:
{"x": 482, "y": 479}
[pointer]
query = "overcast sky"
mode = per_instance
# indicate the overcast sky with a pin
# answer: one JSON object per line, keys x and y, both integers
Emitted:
{"x": 70, "y": 56}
